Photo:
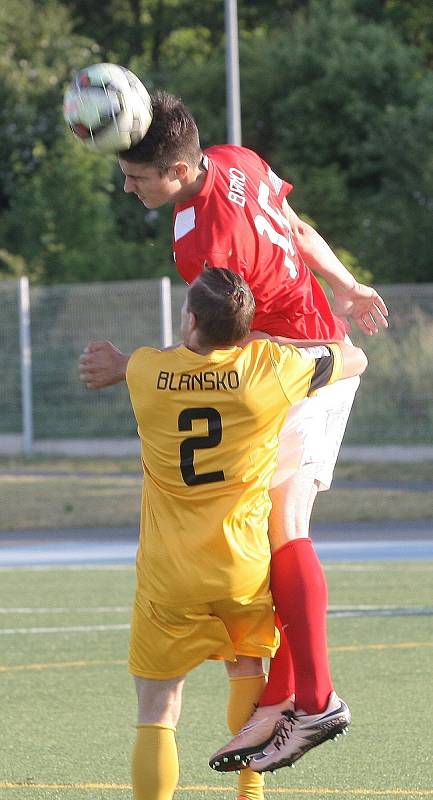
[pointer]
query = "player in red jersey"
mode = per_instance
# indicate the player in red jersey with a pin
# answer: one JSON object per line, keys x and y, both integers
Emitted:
{"x": 237, "y": 217}
{"x": 231, "y": 211}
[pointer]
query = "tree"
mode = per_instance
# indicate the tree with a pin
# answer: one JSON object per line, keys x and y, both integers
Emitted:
{"x": 71, "y": 233}
{"x": 336, "y": 95}
{"x": 345, "y": 109}
{"x": 37, "y": 58}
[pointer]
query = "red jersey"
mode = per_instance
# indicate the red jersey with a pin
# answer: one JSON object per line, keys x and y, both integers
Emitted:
{"x": 236, "y": 221}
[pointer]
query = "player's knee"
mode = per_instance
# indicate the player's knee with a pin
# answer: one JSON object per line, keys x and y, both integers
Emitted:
{"x": 159, "y": 702}
{"x": 286, "y": 529}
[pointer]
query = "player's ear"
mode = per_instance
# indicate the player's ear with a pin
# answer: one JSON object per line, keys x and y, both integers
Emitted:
{"x": 178, "y": 171}
{"x": 192, "y": 321}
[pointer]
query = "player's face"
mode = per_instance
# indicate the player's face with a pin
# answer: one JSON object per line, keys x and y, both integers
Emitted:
{"x": 152, "y": 187}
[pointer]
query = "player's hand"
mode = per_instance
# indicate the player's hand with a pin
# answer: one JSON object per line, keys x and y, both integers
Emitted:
{"x": 102, "y": 364}
{"x": 364, "y": 305}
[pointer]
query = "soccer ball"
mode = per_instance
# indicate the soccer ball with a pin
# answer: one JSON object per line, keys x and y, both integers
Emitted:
{"x": 107, "y": 107}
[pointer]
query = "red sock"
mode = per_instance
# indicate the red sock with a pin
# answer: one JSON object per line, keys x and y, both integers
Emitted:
{"x": 281, "y": 682}
{"x": 300, "y": 595}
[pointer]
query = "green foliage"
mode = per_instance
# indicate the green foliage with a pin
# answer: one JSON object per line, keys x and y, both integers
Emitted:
{"x": 37, "y": 57}
{"x": 71, "y": 232}
{"x": 347, "y": 114}
{"x": 415, "y": 19}
{"x": 336, "y": 94}
{"x": 66, "y": 208}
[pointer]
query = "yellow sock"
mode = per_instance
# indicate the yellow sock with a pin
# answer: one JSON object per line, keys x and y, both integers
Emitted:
{"x": 155, "y": 765}
{"x": 251, "y": 785}
{"x": 244, "y": 693}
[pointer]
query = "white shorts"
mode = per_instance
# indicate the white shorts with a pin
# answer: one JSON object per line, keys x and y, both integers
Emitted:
{"x": 313, "y": 432}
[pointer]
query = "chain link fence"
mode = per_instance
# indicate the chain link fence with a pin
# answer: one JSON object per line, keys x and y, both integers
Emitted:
{"x": 393, "y": 406}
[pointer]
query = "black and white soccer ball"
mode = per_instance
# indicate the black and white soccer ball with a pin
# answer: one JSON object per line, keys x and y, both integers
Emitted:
{"x": 107, "y": 107}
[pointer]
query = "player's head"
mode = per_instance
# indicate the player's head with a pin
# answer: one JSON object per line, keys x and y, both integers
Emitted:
{"x": 172, "y": 136}
{"x": 161, "y": 167}
{"x": 218, "y": 310}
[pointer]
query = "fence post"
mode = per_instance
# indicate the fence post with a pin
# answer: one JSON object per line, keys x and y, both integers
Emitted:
{"x": 166, "y": 325}
{"x": 26, "y": 365}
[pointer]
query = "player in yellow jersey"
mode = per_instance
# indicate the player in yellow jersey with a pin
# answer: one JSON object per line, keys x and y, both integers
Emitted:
{"x": 209, "y": 413}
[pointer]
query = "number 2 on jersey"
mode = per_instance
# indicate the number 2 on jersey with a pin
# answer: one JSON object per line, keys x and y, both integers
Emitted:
{"x": 263, "y": 225}
{"x": 192, "y": 443}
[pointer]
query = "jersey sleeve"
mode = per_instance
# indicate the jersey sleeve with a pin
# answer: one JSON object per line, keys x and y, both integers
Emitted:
{"x": 281, "y": 187}
{"x": 137, "y": 374}
{"x": 301, "y": 371}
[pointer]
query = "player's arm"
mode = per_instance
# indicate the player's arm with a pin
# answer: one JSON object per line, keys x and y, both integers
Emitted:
{"x": 102, "y": 364}
{"x": 354, "y": 358}
{"x": 301, "y": 371}
{"x": 362, "y": 303}
{"x": 333, "y": 362}
{"x": 333, "y": 359}
{"x": 282, "y": 340}
{"x": 339, "y": 360}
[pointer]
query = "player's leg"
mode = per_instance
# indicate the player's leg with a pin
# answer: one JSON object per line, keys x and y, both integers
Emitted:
{"x": 298, "y": 581}
{"x": 155, "y": 767}
{"x": 246, "y": 683}
{"x": 280, "y": 686}
{"x": 165, "y": 644}
{"x": 299, "y": 586}
{"x": 251, "y": 624}
{"x": 312, "y": 437}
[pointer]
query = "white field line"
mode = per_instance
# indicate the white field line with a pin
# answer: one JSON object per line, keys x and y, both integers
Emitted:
{"x": 127, "y": 609}
{"x": 70, "y": 568}
{"x": 354, "y": 611}
{"x": 66, "y": 610}
{"x": 66, "y": 629}
{"x": 312, "y": 791}
{"x": 347, "y": 566}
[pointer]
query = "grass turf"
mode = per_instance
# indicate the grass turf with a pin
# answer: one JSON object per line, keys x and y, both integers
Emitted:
{"x": 346, "y": 470}
{"x": 106, "y": 492}
{"x": 68, "y": 704}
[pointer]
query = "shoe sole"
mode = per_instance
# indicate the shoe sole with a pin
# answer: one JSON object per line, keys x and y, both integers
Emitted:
{"x": 322, "y": 736}
{"x": 238, "y": 759}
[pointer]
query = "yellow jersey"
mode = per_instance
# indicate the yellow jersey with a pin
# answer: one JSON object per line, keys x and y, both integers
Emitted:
{"x": 209, "y": 428}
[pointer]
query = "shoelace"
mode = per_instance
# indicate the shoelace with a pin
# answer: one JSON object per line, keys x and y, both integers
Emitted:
{"x": 284, "y": 729}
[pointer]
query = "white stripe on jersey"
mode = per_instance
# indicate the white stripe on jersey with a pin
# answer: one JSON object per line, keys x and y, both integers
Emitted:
{"x": 317, "y": 351}
{"x": 275, "y": 180}
{"x": 184, "y": 223}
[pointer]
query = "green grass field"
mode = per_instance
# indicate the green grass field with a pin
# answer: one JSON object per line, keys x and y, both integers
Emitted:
{"x": 67, "y": 492}
{"x": 68, "y": 705}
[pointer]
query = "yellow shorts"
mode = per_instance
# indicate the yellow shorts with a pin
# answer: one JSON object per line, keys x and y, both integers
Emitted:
{"x": 167, "y": 641}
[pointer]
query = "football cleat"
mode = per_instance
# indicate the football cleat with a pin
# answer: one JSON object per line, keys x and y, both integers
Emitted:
{"x": 298, "y": 732}
{"x": 251, "y": 739}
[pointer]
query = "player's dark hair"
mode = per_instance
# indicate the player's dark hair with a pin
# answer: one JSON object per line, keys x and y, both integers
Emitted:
{"x": 223, "y": 305}
{"x": 172, "y": 136}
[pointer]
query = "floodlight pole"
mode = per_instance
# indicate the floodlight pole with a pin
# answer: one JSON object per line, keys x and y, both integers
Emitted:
{"x": 234, "y": 131}
{"x": 166, "y": 325}
{"x": 26, "y": 365}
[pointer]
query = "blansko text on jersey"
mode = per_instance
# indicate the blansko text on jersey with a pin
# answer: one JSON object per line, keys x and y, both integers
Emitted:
{"x": 198, "y": 381}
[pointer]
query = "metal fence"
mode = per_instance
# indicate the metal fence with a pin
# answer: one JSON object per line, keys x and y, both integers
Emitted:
{"x": 41, "y": 397}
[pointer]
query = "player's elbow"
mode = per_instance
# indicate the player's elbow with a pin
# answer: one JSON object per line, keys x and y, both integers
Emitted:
{"x": 354, "y": 361}
{"x": 362, "y": 361}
